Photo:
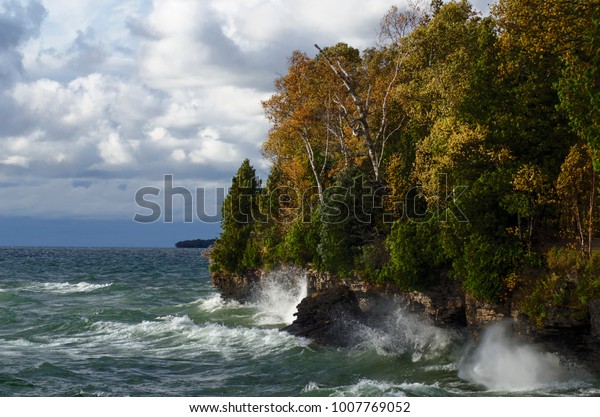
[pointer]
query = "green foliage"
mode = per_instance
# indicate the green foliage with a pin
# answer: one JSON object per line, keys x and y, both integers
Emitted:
{"x": 372, "y": 264}
{"x": 485, "y": 265}
{"x": 234, "y": 250}
{"x": 566, "y": 284}
{"x": 589, "y": 285}
{"x": 348, "y": 221}
{"x": 300, "y": 242}
{"x": 417, "y": 258}
{"x": 480, "y": 134}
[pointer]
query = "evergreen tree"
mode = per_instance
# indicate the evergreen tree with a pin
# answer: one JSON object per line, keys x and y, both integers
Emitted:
{"x": 234, "y": 251}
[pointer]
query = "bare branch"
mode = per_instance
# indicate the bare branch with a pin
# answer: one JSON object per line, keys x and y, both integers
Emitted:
{"x": 361, "y": 127}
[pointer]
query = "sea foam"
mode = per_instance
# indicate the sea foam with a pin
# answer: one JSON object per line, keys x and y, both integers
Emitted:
{"x": 176, "y": 336}
{"x": 64, "y": 287}
{"x": 400, "y": 333}
{"x": 215, "y": 303}
{"x": 375, "y": 388}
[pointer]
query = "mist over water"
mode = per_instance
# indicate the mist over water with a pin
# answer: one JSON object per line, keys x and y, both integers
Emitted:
{"x": 501, "y": 363}
{"x": 132, "y": 322}
{"x": 400, "y": 333}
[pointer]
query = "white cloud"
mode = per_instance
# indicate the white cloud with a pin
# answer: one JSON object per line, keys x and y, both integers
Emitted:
{"x": 114, "y": 151}
{"x": 115, "y": 94}
{"x": 178, "y": 155}
{"x": 17, "y": 160}
{"x": 257, "y": 24}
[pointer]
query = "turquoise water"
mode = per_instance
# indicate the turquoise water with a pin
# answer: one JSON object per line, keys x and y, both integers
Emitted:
{"x": 147, "y": 322}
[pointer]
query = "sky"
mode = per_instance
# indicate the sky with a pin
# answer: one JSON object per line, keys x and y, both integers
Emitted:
{"x": 99, "y": 99}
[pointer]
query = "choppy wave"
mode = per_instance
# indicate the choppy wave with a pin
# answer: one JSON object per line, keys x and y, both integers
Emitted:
{"x": 161, "y": 329}
{"x": 215, "y": 303}
{"x": 64, "y": 287}
{"x": 401, "y": 333}
{"x": 273, "y": 303}
{"x": 171, "y": 336}
{"x": 374, "y": 388}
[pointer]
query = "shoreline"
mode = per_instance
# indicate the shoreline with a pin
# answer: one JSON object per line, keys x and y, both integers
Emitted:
{"x": 575, "y": 338}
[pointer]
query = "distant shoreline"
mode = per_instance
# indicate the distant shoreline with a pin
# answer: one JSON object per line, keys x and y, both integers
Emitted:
{"x": 196, "y": 243}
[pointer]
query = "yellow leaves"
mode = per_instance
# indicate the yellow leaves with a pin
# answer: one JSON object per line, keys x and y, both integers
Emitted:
{"x": 398, "y": 183}
{"x": 576, "y": 173}
{"x": 454, "y": 149}
{"x": 576, "y": 189}
{"x": 542, "y": 27}
{"x": 530, "y": 180}
{"x": 511, "y": 281}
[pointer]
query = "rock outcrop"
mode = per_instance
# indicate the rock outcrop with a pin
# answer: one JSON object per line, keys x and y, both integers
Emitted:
{"x": 594, "y": 306}
{"x": 334, "y": 304}
{"x": 238, "y": 287}
{"x": 325, "y": 316}
{"x": 444, "y": 304}
{"x": 480, "y": 314}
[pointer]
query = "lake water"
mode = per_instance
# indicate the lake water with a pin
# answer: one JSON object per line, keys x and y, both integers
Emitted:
{"x": 147, "y": 322}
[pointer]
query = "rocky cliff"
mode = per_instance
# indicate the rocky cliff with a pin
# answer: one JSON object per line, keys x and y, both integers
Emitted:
{"x": 573, "y": 334}
{"x": 237, "y": 287}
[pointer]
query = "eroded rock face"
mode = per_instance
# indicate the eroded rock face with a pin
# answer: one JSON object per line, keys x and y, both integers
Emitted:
{"x": 480, "y": 314}
{"x": 235, "y": 286}
{"x": 335, "y": 307}
{"x": 444, "y": 304}
{"x": 594, "y": 306}
{"x": 327, "y": 316}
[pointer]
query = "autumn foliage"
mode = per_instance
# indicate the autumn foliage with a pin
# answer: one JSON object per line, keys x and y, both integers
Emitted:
{"x": 461, "y": 147}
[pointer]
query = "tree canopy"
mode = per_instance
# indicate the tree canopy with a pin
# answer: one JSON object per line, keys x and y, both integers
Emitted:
{"x": 459, "y": 147}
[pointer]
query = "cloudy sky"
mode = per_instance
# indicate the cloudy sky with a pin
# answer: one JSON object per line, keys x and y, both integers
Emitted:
{"x": 101, "y": 98}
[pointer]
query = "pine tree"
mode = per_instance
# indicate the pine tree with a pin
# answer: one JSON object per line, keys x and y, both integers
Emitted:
{"x": 233, "y": 251}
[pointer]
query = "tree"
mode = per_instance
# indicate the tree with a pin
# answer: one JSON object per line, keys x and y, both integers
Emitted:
{"x": 371, "y": 115}
{"x": 565, "y": 35}
{"x": 349, "y": 220}
{"x": 296, "y": 112}
{"x": 234, "y": 250}
{"x": 576, "y": 190}
{"x": 531, "y": 195}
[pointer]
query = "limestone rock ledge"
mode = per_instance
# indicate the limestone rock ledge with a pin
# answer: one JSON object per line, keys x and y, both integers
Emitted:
{"x": 446, "y": 305}
{"x": 324, "y": 317}
{"x": 238, "y": 287}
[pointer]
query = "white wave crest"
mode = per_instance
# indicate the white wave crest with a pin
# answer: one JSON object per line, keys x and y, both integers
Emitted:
{"x": 402, "y": 333}
{"x": 64, "y": 287}
{"x": 178, "y": 336}
{"x": 370, "y": 388}
{"x": 279, "y": 295}
{"x": 215, "y": 303}
{"x": 373, "y": 388}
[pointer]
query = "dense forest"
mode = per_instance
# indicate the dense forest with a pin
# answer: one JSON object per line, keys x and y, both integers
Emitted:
{"x": 459, "y": 147}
